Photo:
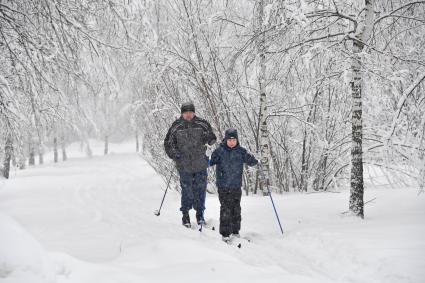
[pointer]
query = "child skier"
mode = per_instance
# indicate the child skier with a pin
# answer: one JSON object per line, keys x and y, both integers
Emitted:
{"x": 230, "y": 158}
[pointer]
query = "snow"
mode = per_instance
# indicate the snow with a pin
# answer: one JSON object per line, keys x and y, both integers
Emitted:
{"x": 91, "y": 220}
{"x": 21, "y": 255}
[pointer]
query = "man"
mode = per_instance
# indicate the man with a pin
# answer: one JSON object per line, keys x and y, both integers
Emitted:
{"x": 185, "y": 143}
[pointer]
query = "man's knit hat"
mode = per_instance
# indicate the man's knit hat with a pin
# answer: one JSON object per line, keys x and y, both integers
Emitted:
{"x": 187, "y": 106}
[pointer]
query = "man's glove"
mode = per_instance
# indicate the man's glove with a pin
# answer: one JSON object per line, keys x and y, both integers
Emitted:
{"x": 206, "y": 139}
{"x": 177, "y": 156}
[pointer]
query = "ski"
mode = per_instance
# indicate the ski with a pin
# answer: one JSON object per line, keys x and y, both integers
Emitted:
{"x": 236, "y": 241}
{"x": 232, "y": 242}
{"x": 205, "y": 225}
{"x": 246, "y": 239}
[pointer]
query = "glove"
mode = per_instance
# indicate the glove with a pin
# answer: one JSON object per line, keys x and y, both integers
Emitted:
{"x": 209, "y": 151}
{"x": 177, "y": 156}
{"x": 257, "y": 155}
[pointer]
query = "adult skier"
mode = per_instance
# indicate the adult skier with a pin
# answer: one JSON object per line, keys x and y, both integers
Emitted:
{"x": 185, "y": 143}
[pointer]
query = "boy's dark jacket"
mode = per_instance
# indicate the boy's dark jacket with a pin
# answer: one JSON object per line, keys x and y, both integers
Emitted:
{"x": 229, "y": 163}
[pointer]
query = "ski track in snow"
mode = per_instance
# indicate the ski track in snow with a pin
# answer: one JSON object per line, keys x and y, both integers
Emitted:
{"x": 97, "y": 216}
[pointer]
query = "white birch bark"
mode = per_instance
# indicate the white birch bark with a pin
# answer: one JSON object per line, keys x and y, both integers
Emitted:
{"x": 356, "y": 203}
{"x": 263, "y": 130}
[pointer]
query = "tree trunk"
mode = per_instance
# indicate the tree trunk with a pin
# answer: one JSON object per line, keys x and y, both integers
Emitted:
{"x": 8, "y": 149}
{"x": 356, "y": 204}
{"x": 263, "y": 130}
{"x": 63, "y": 145}
{"x": 31, "y": 159}
{"x": 319, "y": 180}
{"x": 137, "y": 141}
{"x": 257, "y": 179}
{"x": 55, "y": 150}
{"x": 86, "y": 142}
{"x": 304, "y": 165}
{"x": 89, "y": 152}
{"x": 356, "y": 181}
{"x": 106, "y": 149}
{"x": 144, "y": 144}
{"x": 21, "y": 161}
{"x": 279, "y": 168}
{"x": 305, "y": 159}
{"x": 286, "y": 174}
{"x": 38, "y": 128}
{"x": 40, "y": 154}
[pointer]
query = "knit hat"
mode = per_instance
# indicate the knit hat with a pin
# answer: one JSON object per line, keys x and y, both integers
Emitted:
{"x": 187, "y": 106}
{"x": 231, "y": 134}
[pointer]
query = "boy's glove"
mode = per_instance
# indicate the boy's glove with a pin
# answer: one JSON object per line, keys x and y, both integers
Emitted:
{"x": 257, "y": 156}
{"x": 209, "y": 151}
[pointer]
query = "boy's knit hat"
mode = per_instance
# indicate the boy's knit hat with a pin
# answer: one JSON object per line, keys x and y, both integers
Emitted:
{"x": 187, "y": 106}
{"x": 231, "y": 134}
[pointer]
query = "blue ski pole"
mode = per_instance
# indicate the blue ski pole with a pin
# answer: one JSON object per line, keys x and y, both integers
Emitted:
{"x": 266, "y": 179}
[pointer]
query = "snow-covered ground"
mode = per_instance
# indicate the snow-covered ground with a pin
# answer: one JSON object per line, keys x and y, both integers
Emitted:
{"x": 91, "y": 220}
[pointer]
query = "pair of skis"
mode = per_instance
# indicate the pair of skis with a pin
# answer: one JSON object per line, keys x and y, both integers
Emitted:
{"x": 231, "y": 241}
{"x": 202, "y": 225}
{"x": 236, "y": 241}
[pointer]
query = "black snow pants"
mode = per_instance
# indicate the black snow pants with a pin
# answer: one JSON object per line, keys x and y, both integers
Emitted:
{"x": 230, "y": 210}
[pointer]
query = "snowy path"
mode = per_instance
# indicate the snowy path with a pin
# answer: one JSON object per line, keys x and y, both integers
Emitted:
{"x": 95, "y": 218}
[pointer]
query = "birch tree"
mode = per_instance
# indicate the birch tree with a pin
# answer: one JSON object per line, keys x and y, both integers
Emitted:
{"x": 263, "y": 113}
{"x": 360, "y": 36}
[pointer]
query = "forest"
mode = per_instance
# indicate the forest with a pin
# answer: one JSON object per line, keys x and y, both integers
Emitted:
{"x": 320, "y": 90}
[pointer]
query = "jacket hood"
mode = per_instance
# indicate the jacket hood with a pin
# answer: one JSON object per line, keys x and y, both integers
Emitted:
{"x": 231, "y": 133}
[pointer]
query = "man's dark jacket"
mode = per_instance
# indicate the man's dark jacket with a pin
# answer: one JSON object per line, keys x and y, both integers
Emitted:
{"x": 185, "y": 144}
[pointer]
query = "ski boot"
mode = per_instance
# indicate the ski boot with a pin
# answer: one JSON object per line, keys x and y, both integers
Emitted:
{"x": 200, "y": 219}
{"x": 236, "y": 235}
{"x": 226, "y": 239}
{"x": 186, "y": 219}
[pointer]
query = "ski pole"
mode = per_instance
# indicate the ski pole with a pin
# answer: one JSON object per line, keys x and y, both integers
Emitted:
{"x": 209, "y": 165}
{"x": 202, "y": 222}
{"x": 270, "y": 194}
{"x": 202, "y": 213}
{"x": 158, "y": 212}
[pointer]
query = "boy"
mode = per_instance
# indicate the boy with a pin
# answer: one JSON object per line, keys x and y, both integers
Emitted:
{"x": 230, "y": 158}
